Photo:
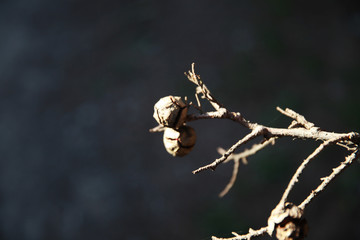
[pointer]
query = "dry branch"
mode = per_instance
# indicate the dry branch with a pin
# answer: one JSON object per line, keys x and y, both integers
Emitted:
{"x": 300, "y": 128}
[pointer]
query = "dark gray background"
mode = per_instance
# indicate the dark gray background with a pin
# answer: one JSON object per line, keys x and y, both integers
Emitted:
{"x": 78, "y": 80}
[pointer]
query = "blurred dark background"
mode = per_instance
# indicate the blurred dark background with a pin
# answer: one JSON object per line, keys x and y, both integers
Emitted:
{"x": 78, "y": 81}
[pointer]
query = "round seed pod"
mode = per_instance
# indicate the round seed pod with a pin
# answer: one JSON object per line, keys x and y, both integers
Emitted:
{"x": 179, "y": 142}
{"x": 170, "y": 111}
{"x": 292, "y": 229}
{"x": 288, "y": 222}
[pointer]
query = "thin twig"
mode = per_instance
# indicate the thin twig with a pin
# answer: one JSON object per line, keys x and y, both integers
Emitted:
{"x": 295, "y": 177}
{"x": 232, "y": 179}
{"x": 252, "y": 151}
{"x": 241, "y": 156}
{"x": 256, "y": 132}
{"x": 202, "y": 88}
{"x": 222, "y": 113}
{"x": 159, "y": 128}
{"x": 325, "y": 181}
{"x": 297, "y": 117}
{"x": 250, "y": 235}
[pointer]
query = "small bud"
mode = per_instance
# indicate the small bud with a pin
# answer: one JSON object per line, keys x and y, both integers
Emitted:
{"x": 179, "y": 142}
{"x": 170, "y": 111}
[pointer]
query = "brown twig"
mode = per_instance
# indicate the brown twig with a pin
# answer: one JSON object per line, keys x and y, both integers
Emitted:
{"x": 159, "y": 128}
{"x": 241, "y": 156}
{"x": 297, "y": 117}
{"x": 202, "y": 88}
{"x": 325, "y": 181}
{"x": 222, "y": 113}
{"x": 232, "y": 179}
{"x": 256, "y": 132}
{"x": 295, "y": 177}
{"x": 250, "y": 235}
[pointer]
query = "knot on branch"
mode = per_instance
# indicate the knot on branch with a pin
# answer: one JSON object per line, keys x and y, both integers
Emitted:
{"x": 288, "y": 222}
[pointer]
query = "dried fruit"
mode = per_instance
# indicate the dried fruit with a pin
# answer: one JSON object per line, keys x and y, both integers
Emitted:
{"x": 179, "y": 142}
{"x": 288, "y": 222}
{"x": 170, "y": 111}
{"x": 292, "y": 229}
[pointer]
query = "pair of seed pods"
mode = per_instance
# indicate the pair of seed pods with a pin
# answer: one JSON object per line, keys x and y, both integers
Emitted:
{"x": 179, "y": 139}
